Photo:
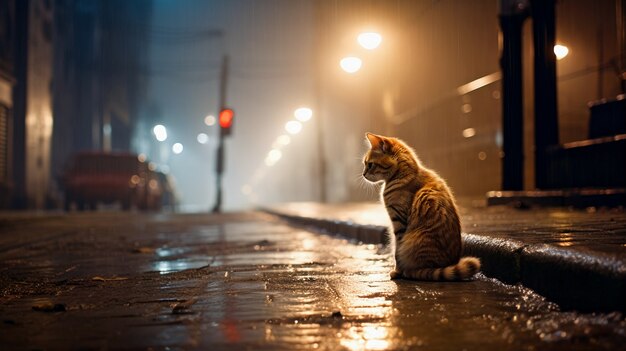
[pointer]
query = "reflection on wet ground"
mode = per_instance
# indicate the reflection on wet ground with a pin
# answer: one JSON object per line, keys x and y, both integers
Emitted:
{"x": 245, "y": 281}
{"x": 601, "y": 230}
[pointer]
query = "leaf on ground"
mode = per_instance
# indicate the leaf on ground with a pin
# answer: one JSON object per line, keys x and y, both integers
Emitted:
{"x": 144, "y": 250}
{"x": 181, "y": 307}
{"x": 49, "y": 307}
{"x": 103, "y": 279}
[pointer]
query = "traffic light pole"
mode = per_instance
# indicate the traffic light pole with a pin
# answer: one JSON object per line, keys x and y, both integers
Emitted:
{"x": 219, "y": 167}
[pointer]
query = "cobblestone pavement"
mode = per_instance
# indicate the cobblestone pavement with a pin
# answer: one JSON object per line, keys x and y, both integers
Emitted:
{"x": 248, "y": 281}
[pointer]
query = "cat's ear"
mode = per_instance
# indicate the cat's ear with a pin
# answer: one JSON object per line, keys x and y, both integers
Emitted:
{"x": 378, "y": 142}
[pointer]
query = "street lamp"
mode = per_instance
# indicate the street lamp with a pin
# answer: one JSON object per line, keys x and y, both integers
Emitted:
{"x": 369, "y": 40}
{"x": 351, "y": 64}
{"x": 281, "y": 141}
{"x": 272, "y": 157}
{"x": 293, "y": 127}
{"x": 160, "y": 132}
{"x": 560, "y": 51}
{"x": 202, "y": 138}
{"x": 177, "y": 148}
{"x": 209, "y": 120}
{"x": 303, "y": 114}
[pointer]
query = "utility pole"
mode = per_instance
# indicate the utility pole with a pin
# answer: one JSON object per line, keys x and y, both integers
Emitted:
{"x": 220, "y": 148}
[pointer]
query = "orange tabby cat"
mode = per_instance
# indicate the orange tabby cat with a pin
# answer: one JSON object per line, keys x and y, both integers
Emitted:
{"x": 422, "y": 211}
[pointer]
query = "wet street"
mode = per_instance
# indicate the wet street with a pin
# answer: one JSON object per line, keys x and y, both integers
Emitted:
{"x": 249, "y": 281}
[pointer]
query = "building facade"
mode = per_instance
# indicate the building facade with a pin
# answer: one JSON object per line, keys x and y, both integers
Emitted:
{"x": 7, "y": 79}
{"x": 435, "y": 82}
{"x": 100, "y": 67}
{"x": 72, "y": 78}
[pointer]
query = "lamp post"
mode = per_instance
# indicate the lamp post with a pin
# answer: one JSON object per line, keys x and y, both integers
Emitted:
{"x": 352, "y": 64}
{"x": 220, "y": 148}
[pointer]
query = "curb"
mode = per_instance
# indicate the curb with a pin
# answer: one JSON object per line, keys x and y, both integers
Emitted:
{"x": 575, "y": 280}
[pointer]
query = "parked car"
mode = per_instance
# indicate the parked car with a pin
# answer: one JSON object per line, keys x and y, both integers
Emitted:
{"x": 160, "y": 191}
{"x": 101, "y": 177}
{"x": 169, "y": 198}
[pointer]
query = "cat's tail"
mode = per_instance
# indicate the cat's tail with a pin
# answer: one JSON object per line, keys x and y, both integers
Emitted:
{"x": 464, "y": 269}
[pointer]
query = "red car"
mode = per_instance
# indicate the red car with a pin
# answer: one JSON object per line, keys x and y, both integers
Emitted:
{"x": 94, "y": 177}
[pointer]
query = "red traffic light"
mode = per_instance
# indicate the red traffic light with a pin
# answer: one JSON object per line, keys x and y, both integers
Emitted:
{"x": 226, "y": 118}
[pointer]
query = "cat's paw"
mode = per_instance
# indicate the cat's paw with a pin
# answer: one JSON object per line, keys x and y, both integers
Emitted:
{"x": 395, "y": 274}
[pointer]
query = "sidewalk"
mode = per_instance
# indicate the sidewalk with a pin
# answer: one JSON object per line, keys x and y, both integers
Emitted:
{"x": 574, "y": 258}
{"x": 247, "y": 281}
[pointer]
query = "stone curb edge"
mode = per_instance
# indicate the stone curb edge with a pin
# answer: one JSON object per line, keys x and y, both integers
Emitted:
{"x": 574, "y": 280}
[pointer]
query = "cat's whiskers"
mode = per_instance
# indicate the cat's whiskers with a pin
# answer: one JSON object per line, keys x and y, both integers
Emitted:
{"x": 365, "y": 185}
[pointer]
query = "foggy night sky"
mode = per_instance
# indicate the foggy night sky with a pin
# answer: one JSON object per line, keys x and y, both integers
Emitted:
{"x": 270, "y": 48}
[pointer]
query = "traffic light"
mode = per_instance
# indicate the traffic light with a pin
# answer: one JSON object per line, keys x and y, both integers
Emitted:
{"x": 226, "y": 121}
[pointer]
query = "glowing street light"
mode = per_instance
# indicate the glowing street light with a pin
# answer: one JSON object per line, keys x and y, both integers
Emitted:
{"x": 209, "y": 120}
{"x": 202, "y": 138}
{"x": 469, "y": 132}
{"x": 273, "y": 157}
{"x": 293, "y": 127}
{"x": 246, "y": 189}
{"x": 303, "y": 114}
{"x": 177, "y": 148}
{"x": 369, "y": 40}
{"x": 560, "y": 51}
{"x": 351, "y": 64}
{"x": 281, "y": 141}
{"x": 160, "y": 132}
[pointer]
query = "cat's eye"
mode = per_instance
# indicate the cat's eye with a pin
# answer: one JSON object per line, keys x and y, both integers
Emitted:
{"x": 370, "y": 166}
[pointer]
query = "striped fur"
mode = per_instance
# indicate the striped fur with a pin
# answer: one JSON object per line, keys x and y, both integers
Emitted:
{"x": 423, "y": 214}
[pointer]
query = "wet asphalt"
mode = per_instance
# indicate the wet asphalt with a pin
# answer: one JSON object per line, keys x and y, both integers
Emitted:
{"x": 576, "y": 258}
{"x": 99, "y": 281}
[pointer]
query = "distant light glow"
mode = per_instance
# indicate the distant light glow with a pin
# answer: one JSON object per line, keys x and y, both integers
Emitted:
{"x": 135, "y": 179}
{"x": 106, "y": 129}
{"x": 469, "y": 132}
{"x": 369, "y": 40}
{"x": 177, "y": 148}
{"x": 202, "y": 138}
{"x": 560, "y": 51}
{"x": 160, "y": 132}
{"x": 293, "y": 127}
{"x": 498, "y": 138}
{"x": 273, "y": 157}
{"x": 209, "y": 120}
{"x": 303, "y": 114}
{"x": 482, "y": 155}
{"x": 246, "y": 189}
{"x": 152, "y": 166}
{"x": 282, "y": 140}
{"x": 466, "y": 108}
{"x": 142, "y": 157}
{"x": 351, "y": 64}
